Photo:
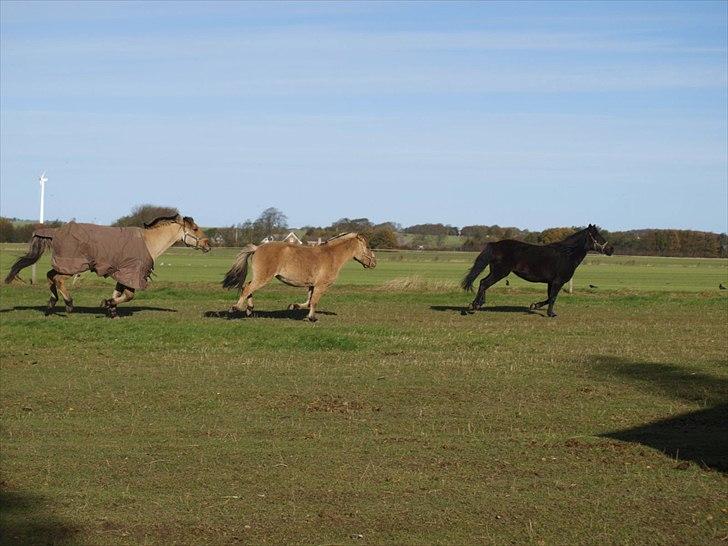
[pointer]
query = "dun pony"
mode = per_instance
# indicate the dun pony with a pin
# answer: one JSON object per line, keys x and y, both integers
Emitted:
{"x": 313, "y": 267}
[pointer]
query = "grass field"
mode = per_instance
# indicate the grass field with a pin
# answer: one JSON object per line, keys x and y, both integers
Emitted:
{"x": 394, "y": 419}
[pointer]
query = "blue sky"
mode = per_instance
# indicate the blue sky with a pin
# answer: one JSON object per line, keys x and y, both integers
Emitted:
{"x": 526, "y": 114}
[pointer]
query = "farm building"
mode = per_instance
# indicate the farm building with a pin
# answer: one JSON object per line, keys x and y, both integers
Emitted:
{"x": 290, "y": 238}
{"x": 293, "y": 239}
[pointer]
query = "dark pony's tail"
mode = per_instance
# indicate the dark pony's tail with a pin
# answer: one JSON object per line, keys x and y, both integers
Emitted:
{"x": 235, "y": 278}
{"x": 35, "y": 250}
{"x": 481, "y": 262}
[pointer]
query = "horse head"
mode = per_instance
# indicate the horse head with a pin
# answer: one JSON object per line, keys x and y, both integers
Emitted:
{"x": 597, "y": 242}
{"x": 363, "y": 254}
{"x": 192, "y": 235}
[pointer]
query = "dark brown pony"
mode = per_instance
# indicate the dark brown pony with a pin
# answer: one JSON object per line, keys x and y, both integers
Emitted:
{"x": 553, "y": 264}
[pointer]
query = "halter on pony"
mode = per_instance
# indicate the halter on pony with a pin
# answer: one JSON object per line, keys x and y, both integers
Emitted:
{"x": 598, "y": 246}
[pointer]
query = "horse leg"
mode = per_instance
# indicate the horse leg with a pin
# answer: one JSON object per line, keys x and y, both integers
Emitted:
{"x": 302, "y": 305}
{"x": 316, "y": 293}
{"x": 244, "y": 297}
{"x": 60, "y": 284}
{"x": 249, "y": 303}
{"x": 51, "y": 276}
{"x": 539, "y": 304}
{"x": 247, "y": 297}
{"x": 121, "y": 294}
{"x": 493, "y": 277}
{"x": 116, "y": 294}
{"x": 554, "y": 289}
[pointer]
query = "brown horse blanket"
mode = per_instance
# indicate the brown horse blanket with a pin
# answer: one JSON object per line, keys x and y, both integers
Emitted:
{"x": 119, "y": 253}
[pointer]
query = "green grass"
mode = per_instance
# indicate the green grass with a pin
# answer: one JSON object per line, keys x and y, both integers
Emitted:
{"x": 629, "y": 273}
{"x": 394, "y": 417}
{"x": 453, "y": 242}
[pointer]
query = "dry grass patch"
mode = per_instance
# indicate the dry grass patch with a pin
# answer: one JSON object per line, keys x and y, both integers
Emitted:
{"x": 417, "y": 284}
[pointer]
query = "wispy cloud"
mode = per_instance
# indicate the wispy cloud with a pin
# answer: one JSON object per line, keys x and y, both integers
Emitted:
{"x": 312, "y": 60}
{"x": 211, "y": 80}
{"x": 218, "y": 42}
{"x": 495, "y": 98}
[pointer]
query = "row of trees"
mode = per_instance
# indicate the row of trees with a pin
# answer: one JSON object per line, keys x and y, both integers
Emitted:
{"x": 432, "y": 229}
{"x": 645, "y": 242}
{"x": 670, "y": 242}
{"x": 14, "y": 231}
{"x": 272, "y": 222}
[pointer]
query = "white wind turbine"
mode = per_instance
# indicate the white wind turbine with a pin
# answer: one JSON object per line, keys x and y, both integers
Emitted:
{"x": 42, "y": 179}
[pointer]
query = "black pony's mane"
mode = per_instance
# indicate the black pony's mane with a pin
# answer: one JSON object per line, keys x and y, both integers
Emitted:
{"x": 575, "y": 241}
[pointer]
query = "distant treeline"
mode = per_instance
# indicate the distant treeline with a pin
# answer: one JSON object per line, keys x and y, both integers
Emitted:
{"x": 20, "y": 231}
{"x": 273, "y": 224}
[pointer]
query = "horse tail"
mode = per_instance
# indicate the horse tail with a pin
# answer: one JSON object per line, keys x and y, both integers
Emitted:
{"x": 35, "y": 250}
{"x": 236, "y": 276}
{"x": 481, "y": 262}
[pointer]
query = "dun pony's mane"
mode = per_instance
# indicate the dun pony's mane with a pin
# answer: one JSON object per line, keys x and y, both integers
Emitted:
{"x": 340, "y": 238}
{"x": 162, "y": 220}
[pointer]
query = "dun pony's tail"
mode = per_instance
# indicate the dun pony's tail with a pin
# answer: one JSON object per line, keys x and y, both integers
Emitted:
{"x": 481, "y": 262}
{"x": 35, "y": 250}
{"x": 235, "y": 278}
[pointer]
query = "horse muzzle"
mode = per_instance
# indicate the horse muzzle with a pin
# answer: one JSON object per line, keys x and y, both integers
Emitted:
{"x": 608, "y": 250}
{"x": 368, "y": 262}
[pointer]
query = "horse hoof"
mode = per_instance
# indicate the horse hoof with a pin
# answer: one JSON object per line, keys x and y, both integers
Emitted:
{"x": 293, "y": 307}
{"x": 104, "y": 304}
{"x": 112, "y": 313}
{"x": 312, "y": 319}
{"x": 69, "y": 308}
{"x": 532, "y": 307}
{"x": 249, "y": 312}
{"x": 552, "y": 315}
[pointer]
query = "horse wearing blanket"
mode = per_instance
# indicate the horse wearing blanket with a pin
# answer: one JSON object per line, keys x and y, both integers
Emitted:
{"x": 125, "y": 254}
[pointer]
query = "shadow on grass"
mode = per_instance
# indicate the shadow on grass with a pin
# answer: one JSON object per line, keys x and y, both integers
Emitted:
{"x": 60, "y": 311}
{"x": 465, "y": 310}
{"x": 285, "y": 314}
{"x": 699, "y": 436}
{"x": 25, "y": 519}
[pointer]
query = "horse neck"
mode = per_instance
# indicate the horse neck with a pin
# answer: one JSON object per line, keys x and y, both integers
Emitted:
{"x": 574, "y": 248}
{"x": 579, "y": 251}
{"x": 577, "y": 239}
{"x": 344, "y": 251}
{"x": 160, "y": 238}
{"x": 579, "y": 256}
